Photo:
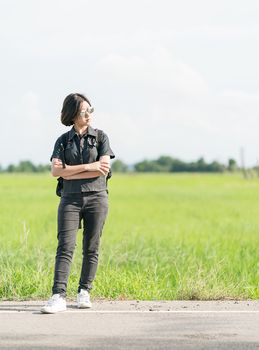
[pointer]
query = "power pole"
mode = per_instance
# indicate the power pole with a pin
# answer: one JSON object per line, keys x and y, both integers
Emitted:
{"x": 257, "y": 167}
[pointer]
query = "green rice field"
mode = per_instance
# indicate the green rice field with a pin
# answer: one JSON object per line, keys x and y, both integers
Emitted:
{"x": 167, "y": 236}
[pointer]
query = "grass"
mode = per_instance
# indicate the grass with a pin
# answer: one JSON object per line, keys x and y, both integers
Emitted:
{"x": 188, "y": 236}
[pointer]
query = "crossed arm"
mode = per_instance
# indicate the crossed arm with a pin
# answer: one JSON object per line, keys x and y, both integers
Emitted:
{"x": 81, "y": 171}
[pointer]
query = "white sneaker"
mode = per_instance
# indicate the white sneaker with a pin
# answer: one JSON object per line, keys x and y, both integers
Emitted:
{"x": 83, "y": 299}
{"x": 55, "y": 304}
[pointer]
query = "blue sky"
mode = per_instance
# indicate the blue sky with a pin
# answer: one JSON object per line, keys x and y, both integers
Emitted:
{"x": 166, "y": 77}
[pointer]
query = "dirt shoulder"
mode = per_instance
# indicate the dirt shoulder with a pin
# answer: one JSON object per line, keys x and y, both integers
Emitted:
{"x": 141, "y": 305}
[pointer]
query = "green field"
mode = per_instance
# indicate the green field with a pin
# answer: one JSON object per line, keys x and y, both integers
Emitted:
{"x": 166, "y": 237}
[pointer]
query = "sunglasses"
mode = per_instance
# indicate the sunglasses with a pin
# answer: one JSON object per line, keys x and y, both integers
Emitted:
{"x": 88, "y": 110}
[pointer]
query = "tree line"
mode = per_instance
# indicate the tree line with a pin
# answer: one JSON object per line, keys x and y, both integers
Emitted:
{"x": 161, "y": 164}
{"x": 169, "y": 164}
{"x": 25, "y": 166}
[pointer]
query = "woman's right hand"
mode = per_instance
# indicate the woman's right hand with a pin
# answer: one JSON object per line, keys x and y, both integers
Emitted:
{"x": 57, "y": 163}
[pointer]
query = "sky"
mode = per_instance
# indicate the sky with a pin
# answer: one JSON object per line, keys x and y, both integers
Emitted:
{"x": 177, "y": 78}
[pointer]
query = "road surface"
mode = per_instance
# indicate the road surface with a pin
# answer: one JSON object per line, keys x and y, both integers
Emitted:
{"x": 132, "y": 325}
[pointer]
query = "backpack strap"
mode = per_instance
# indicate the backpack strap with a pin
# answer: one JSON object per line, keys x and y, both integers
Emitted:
{"x": 98, "y": 138}
{"x": 63, "y": 144}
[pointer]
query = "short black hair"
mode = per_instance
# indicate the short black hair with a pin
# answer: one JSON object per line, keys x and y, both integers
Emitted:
{"x": 71, "y": 107}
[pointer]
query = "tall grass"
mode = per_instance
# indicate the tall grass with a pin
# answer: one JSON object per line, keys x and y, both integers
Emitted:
{"x": 166, "y": 237}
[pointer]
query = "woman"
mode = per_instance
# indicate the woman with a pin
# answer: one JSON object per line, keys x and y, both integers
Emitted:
{"x": 82, "y": 158}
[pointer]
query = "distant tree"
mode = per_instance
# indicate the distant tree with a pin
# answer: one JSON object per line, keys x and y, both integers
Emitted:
{"x": 178, "y": 166}
{"x": 165, "y": 163}
{"x": 193, "y": 167}
{"x": 43, "y": 168}
{"x": 147, "y": 166}
{"x": 118, "y": 166}
{"x": 11, "y": 168}
{"x": 26, "y": 166}
{"x": 216, "y": 167}
{"x": 232, "y": 165}
{"x": 201, "y": 165}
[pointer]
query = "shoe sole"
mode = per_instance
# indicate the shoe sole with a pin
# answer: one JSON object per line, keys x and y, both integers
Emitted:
{"x": 52, "y": 312}
{"x": 84, "y": 306}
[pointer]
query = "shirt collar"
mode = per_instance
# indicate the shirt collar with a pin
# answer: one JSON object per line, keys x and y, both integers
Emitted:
{"x": 90, "y": 131}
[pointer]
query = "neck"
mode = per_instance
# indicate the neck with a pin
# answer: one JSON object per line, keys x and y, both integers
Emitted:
{"x": 80, "y": 130}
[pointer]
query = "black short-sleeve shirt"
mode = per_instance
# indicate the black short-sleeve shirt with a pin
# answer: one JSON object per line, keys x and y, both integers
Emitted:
{"x": 76, "y": 149}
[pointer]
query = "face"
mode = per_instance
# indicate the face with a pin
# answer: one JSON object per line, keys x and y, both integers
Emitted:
{"x": 84, "y": 117}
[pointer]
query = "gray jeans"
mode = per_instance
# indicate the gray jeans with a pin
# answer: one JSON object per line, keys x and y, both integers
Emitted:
{"x": 92, "y": 208}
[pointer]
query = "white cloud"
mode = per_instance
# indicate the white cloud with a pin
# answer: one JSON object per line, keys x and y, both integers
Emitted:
{"x": 158, "y": 71}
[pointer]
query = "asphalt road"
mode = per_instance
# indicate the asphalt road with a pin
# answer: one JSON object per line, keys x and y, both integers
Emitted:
{"x": 132, "y": 325}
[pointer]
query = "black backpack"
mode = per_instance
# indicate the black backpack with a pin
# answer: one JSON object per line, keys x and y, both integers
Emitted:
{"x": 64, "y": 142}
